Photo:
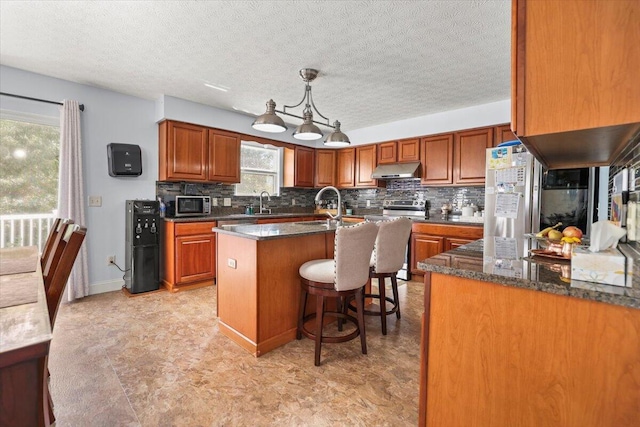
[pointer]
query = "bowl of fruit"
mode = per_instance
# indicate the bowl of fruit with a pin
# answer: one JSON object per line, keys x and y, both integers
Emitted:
{"x": 560, "y": 243}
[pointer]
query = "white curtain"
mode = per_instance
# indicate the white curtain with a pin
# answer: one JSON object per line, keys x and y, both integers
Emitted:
{"x": 71, "y": 191}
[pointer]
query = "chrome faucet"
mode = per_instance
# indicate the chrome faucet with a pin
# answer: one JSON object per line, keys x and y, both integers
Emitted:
{"x": 338, "y": 216}
{"x": 262, "y": 208}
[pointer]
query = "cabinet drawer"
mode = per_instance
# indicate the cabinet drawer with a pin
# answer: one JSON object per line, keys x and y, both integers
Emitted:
{"x": 190, "y": 228}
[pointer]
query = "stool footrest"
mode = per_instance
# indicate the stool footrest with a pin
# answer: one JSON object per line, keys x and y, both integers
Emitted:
{"x": 332, "y": 339}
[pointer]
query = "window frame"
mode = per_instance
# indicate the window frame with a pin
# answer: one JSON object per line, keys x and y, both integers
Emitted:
{"x": 278, "y": 173}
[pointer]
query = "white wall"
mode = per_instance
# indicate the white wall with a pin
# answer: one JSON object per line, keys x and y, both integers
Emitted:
{"x": 114, "y": 117}
{"x": 108, "y": 117}
{"x": 465, "y": 118}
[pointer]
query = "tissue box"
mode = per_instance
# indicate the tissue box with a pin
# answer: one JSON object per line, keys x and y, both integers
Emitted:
{"x": 607, "y": 266}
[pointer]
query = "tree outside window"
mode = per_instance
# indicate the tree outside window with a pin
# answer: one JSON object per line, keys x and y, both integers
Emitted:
{"x": 260, "y": 167}
{"x": 29, "y": 156}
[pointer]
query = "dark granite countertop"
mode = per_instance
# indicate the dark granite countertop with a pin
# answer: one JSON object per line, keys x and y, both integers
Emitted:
{"x": 277, "y": 230}
{"x": 439, "y": 219}
{"x": 534, "y": 273}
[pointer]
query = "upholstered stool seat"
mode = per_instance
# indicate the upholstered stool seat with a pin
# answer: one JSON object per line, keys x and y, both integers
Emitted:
{"x": 341, "y": 278}
{"x": 387, "y": 258}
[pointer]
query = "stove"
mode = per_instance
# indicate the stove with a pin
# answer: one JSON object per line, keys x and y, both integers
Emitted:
{"x": 410, "y": 208}
{"x": 417, "y": 209}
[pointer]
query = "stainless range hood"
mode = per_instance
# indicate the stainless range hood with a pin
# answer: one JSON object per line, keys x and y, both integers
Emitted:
{"x": 397, "y": 171}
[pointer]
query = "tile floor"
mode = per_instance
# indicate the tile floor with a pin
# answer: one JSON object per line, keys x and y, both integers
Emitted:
{"x": 159, "y": 360}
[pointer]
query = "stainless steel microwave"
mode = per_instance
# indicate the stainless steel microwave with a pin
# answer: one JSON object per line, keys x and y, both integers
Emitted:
{"x": 190, "y": 206}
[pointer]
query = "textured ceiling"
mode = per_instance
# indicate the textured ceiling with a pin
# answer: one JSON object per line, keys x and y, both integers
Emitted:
{"x": 379, "y": 61}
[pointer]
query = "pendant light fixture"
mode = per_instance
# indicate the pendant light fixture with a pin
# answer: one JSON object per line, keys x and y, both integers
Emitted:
{"x": 307, "y": 131}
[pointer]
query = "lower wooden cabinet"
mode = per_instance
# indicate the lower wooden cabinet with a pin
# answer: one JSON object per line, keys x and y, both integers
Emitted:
{"x": 452, "y": 243}
{"x": 424, "y": 246}
{"x": 189, "y": 254}
{"x": 429, "y": 239}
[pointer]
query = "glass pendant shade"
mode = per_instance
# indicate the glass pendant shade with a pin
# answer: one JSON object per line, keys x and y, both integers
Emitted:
{"x": 269, "y": 121}
{"x": 307, "y": 131}
{"x": 337, "y": 138}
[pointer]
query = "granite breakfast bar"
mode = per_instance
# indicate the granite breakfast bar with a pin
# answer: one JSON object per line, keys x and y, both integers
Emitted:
{"x": 258, "y": 281}
{"x": 529, "y": 347}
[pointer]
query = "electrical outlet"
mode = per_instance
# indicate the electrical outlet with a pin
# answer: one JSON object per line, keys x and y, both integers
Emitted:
{"x": 95, "y": 201}
{"x": 214, "y": 201}
{"x": 226, "y": 201}
{"x": 232, "y": 263}
{"x": 293, "y": 202}
{"x": 111, "y": 259}
{"x": 368, "y": 203}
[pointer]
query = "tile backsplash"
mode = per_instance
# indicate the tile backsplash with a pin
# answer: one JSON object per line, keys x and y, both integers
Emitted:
{"x": 355, "y": 199}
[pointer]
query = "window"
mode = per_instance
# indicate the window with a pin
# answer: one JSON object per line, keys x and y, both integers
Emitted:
{"x": 29, "y": 154}
{"x": 260, "y": 167}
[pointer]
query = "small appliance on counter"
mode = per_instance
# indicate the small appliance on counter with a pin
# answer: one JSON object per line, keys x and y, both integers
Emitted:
{"x": 142, "y": 250}
{"x": 185, "y": 206}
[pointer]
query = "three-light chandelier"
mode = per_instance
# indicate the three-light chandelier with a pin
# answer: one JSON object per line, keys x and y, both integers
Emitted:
{"x": 270, "y": 122}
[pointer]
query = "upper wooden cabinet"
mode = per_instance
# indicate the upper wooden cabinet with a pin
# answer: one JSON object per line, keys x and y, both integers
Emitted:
{"x": 388, "y": 152}
{"x": 346, "y": 174}
{"x": 196, "y": 153}
{"x": 406, "y": 150}
{"x": 298, "y": 167}
{"x": 409, "y": 150}
{"x": 437, "y": 160}
{"x": 502, "y": 134}
{"x": 365, "y": 164}
{"x": 469, "y": 150}
{"x": 575, "y": 92}
{"x": 224, "y": 157}
{"x": 183, "y": 154}
{"x": 325, "y": 168}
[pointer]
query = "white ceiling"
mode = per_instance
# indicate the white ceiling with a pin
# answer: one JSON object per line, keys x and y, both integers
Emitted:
{"x": 379, "y": 61}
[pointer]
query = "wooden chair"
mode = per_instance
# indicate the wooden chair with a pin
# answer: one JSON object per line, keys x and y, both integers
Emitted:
{"x": 73, "y": 237}
{"x": 48, "y": 245}
{"x": 55, "y": 251}
{"x": 342, "y": 277}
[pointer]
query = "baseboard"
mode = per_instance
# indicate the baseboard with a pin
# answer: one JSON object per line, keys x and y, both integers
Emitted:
{"x": 109, "y": 286}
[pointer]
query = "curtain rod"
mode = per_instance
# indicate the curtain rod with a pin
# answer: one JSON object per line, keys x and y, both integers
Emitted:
{"x": 37, "y": 99}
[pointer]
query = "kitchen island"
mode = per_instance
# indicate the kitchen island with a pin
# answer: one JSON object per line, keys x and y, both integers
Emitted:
{"x": 258, "y": 281}
{"x": 528, "y": 347}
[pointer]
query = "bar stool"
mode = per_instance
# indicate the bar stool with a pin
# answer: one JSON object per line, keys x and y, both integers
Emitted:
{"x": 387, "y": 258}
{"x": 342, "y": 277}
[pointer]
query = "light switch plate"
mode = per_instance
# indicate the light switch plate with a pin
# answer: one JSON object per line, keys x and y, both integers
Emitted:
{"x": 214, "y": 201}
{"x": 95, "y": 201}
{"x": 368, "y": 203}
{"x": 227, "y": 201}
{"x": 293, "y": 202}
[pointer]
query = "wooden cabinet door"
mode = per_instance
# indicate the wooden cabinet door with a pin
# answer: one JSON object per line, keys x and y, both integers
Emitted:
{"x": 325, "y": 168}
{"x": 437, "y": 160}
{"x": 346, "y": 168}
{"x": 365, "y": 164}
{"x": 424, "y": 246}
{"x": 452, "y": 243}
{"x": 185, "y": 153}
{"x": 387, "y": 152}
{"x": 569, "y": 76}
{"x": 502, "y": 134}
{"x": 224, "y": 157}
{"x": 304, "y": 167}
{"x": 195, "y": 258}
{"x": 409, "y": 150}
{"x": 469, "y": 155}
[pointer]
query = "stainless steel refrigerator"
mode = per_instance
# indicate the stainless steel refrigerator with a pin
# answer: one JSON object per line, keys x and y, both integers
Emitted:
{"x": 521, "y": 198}
{"x": 512, "y": 186}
